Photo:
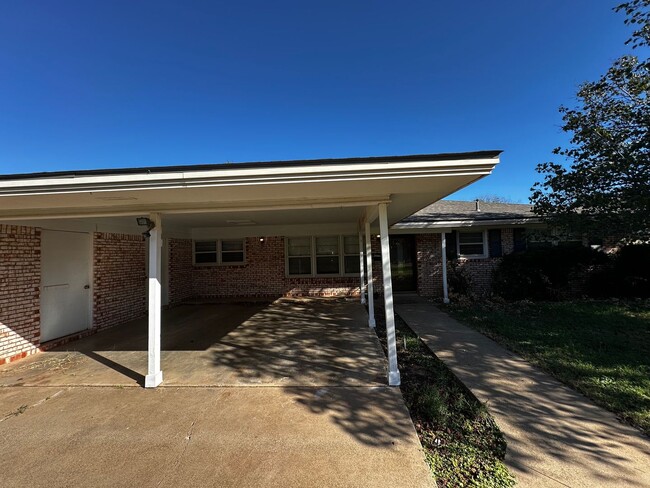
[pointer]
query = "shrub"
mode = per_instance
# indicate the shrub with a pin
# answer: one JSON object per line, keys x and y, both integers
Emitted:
{"x": 627, "y": 276}
{"x": 543, "y": 274}
{"x": 459, "y": 279}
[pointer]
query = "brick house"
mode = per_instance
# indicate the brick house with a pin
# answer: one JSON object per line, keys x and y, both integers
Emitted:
{"x": 476, "y": 234}
{"x": 81, "y": 251}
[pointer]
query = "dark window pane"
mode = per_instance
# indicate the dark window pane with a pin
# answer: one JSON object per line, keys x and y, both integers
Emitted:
{"x": 470, "y": 237}
{"x": 351, "y": 245}
{"x": 327, "y": 246}
{"x": 203, "y": 246}
{"x": 208, "y": 257}
{"x": 299, "y": 266}
{"x": 327, "y": 265}
{"x": 351, "y": 264}
{"x": 232, "y": 257}
{"x": 471, "y": 249}
{"x": 232, "y": 245}
{"x": 299, "y": 246}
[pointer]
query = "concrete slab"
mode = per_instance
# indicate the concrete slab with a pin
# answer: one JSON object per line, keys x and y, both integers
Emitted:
{"x": 227, "y": 437}
{"x": 556, "y": 437}
{"x": 301, "y": 402}
{"x": 296, "y": 342}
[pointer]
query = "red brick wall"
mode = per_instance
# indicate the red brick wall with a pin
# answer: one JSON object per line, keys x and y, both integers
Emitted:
{"x": 377, "y": 273}
{"x": 429, "y": 264}
{"x": 180, "y": 270}
{"x": 263, "y": 275}
{"x": 479, "y": 271}
{"x": 20, "y": 280}
{"x": 119, "y": 278}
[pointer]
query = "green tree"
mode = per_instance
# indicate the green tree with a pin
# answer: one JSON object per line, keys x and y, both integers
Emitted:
{"x": 605, "y": 190}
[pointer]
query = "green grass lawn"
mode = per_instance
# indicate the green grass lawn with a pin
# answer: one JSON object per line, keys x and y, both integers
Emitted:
{"x": 600, "y": 348}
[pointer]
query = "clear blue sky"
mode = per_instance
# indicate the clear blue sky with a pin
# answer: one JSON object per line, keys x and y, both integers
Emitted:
{"x": 132, "y": 83}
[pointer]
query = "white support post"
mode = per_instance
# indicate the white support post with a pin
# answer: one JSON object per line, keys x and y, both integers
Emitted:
{"x": 362, "y": 285}
{"x": 370, "y": 285}
{"x": 393, "y": 371}
{"x": 443, "y": 259}
{"x": 154, "y": 373}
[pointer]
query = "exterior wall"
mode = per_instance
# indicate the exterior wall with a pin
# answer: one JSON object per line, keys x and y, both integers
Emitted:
{"x": 377, "y": 272}
{"x": 119, "y": 278}
{"x": 479, "y": 271}
{"x": 180, "y": 270}
{"x": 20, "y": 280}
{"x": 263, "y": 275}
{"x": 429, "y": 264}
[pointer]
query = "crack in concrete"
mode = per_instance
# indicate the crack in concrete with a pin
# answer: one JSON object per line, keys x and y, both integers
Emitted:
{"x": 179, "y": 458}
{"x": 23, "y": 408}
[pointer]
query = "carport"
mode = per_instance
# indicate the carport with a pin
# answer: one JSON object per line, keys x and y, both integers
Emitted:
{"x": 258, "y": 202}
{"x": 290, "y": 342}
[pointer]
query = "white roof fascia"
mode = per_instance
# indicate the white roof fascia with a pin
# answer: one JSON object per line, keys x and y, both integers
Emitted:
{"x": 247, "y": 176}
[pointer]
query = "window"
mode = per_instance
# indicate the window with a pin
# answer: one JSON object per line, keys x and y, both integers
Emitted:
{"x": 472, "y": 244}
{"x": 299, "y": 256}
{"x": 322, "y": 256}
{"x": 327, "y": 255}
{"x": 351, "y": 255}
{"x": 543, "y": 239}
{"x": 230, "y": 251}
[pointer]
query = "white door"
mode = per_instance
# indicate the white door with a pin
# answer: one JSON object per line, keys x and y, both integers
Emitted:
{"x": 65, "y": 283}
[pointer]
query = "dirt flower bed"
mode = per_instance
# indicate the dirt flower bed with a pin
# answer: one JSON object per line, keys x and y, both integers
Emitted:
{"x": 463, "y": 445}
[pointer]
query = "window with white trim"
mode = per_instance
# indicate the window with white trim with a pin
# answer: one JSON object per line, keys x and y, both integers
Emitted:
{"x": 220, "y": 251}
{"x": 472, "y": 244}
{"x": 322, "y": 256}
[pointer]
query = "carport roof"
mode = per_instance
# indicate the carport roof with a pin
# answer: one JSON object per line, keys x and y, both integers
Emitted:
{"x": 253, "y": 164}
{"x": 407, "y": 183}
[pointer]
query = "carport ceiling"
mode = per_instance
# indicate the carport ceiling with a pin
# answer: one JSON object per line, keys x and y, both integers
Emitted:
{"x": 265, "y": 217}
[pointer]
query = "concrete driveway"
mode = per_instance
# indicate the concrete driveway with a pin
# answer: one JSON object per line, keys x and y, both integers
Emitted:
{"x": 287, "y": 394}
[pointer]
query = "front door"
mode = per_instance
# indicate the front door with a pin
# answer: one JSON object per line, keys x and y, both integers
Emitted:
{"x": 403, "y": 263}
{"x": 65, "y": 283}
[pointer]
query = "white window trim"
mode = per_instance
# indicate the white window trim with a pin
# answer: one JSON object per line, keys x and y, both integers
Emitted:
{"x": 484, "y": 255}
{"x": 219, "y": 253}
{"x": 313, "y": 257}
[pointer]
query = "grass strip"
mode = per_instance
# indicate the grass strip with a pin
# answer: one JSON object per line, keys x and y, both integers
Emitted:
{"x": 462, "y": 443}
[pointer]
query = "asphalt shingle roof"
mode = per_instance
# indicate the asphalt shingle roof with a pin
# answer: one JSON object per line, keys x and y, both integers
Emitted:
{"x": 455, "y": 210}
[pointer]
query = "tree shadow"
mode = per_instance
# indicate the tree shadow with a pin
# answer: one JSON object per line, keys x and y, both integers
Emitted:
{"x": 545, "y": 422}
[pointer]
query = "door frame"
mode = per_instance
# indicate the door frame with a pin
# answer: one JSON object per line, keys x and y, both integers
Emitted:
{"x": 414, "y": 260}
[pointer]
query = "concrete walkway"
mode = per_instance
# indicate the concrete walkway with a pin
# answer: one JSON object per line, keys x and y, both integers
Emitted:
{"x": 556, "y": 437}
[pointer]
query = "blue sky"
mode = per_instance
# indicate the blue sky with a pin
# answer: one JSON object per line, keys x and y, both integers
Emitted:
{"x": 139, "y": 83}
